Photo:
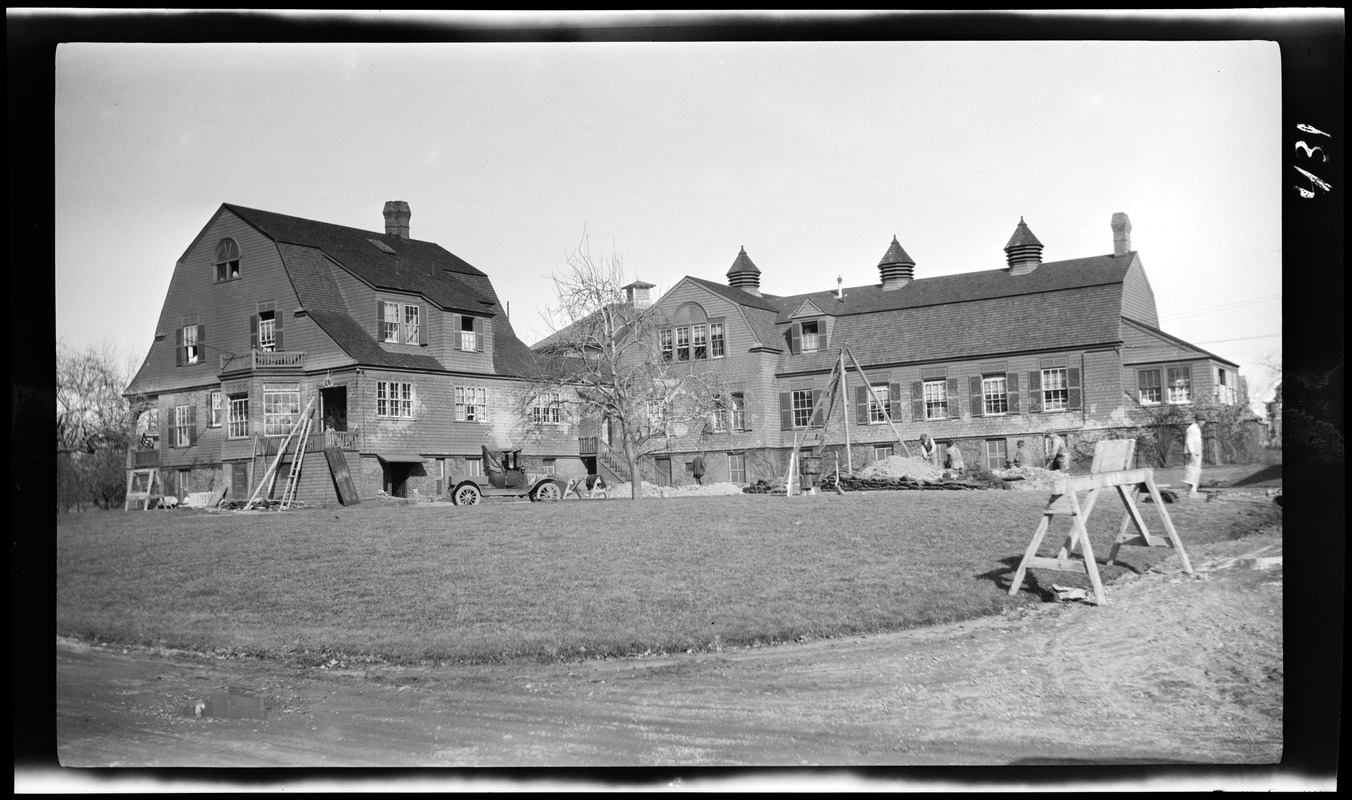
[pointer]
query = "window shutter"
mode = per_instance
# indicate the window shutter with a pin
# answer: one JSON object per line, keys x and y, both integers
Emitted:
{"x": 253, "y": 332}
{"x": 861, "y": 399}
{"x": 817, "y": 410}
{"x": 917, "y": 401}
{"x": 380, "y": 320}
{"x": 1012, "y": 387}
{"x": 192, "y": 425}
{"x": 894, "y": 401}
{"x": 954, "y": 399}
{"x": 455, "y": 331}
{"x": 422, "y": 326}
{"x": 479, "y": 334}
{"x": 977, "y": 397}
{"x": 178, "y": 347}
{"x": 277, "y": 330}
{"x": 795, "y": 342}
{"x": 1075, "y": 397}
{"x": 202, "y": 342}
{"x": 1035, "y": 391}
{"x": 823, "y": 335}
{"x": 786, "y": 411}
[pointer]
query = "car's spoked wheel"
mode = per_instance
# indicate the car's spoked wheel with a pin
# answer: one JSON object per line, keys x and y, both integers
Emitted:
{"x": 467, "y": 495}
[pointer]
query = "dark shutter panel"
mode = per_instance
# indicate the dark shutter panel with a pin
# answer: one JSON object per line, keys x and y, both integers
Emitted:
{"x": 817, "y": 410}
{"x": 861, "y": 399}
{"x": 178, "y": 347}
{"x": 1012, "y": 387}
{"x": 202, "y": 343}
{"x": 455, "y": 331}
{"x": 977, "y": 396}
{"x": 277, "y": 330}
{"x": 894, "y": 401}
{"x": 746, "y": 411}
{"x": 422, "y": 325}
{"x": 786, "y": 411}
{"x": 479, "y": 334}
{"x": 917, "y": 401}
{"x": 380, "y": 320}
{"x": 795, "y": 343}
{"x": 192, "y": 425}
{"x": 1035, "y": 391}
{"x": 253, "y": 332}
{"x": 1075, "y": 395}
{"x": 823, "y": 335}
{"x": 954, "y": 399}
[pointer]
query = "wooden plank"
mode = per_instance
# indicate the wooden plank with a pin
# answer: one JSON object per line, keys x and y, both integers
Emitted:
{"x": 1092, "y": 568}
{"x": 1101, "y": 480}
{"x": 1058, "y": 564}
{"x": 347, "y": 492}
{"x": 1168, "y": 523}
{"x": 1029, "y": 555}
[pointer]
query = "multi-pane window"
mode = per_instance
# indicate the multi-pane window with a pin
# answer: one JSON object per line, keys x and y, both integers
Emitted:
{"x": 882, "y": 451}
{"x": 810, "y": 340}
{"x": 471, "y": 404}
{"x": 474, "y": 467}
{"x": 227, "y": 260}
{"x": 1180, "y": 384}
{"x": 548, "y": 465}
{"x": 217, "y": 411}
{"x": 267, "y": 331}
{"x": 192, "y": 353}
{"x": 738, "y": 421}
{"x": 281, "y": 407}
{"x": 716, "y": 343}
{"x": 722, "y": 411}
{"x": 877, "y": 403}
{"x": 666, "y": 344}
{"x": 389, "y": 326}
{"x": 394, "y": 399}
{"x": 237, "y": 426}
{"x": 997, "y": 451}
{"x": 148, "y": 427}
{"x": 936, "y": 399}
{"x": 994, "y": 395}
{"x": 802, "y": 407}
{"x": 469, "y": 338}
{"x": 699, "y": 334}
{"x": 737, "y": 467}
{"x": 682, "y": 344}
{"x": 181, "y": 431}
{"x": 1055, "y": 390}
{"x": 1225, "y": 392}
{"x": 730, "y": 412}
{"x": 1148, "y": 384}
{"x": 546, "y": 409}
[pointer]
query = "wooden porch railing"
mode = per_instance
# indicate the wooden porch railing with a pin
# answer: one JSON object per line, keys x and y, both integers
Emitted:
{"x": 261, "y": 358}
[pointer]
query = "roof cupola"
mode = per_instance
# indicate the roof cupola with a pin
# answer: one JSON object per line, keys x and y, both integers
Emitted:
{"x": 636, "y": 294}
{"x": 897, "y": 268}
{"x": 1024, "y": 251}
{"x": 744, "y": 275}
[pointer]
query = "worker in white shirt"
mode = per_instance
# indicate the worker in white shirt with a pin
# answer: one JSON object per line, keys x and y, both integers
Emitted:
{"x": 1192, "y": 456}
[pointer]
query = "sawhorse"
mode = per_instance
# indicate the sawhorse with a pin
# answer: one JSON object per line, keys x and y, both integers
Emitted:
{"x": 1064, "y": 501}
{"x": 149, "y": 478}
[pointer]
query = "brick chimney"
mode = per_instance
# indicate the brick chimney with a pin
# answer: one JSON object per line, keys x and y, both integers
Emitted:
{"x": 744, "y": 275}
{"x": 896, "y": 269}
{"x": 396, "y": 218}
{"x": 1023, "y": 254}
{"x": 1121, "y": 234}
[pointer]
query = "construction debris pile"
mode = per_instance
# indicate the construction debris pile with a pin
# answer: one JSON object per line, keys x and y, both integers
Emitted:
{"x": 899, "y": 467}
{"x": 688, "y": 490}
{"x": 1026, "y": 478}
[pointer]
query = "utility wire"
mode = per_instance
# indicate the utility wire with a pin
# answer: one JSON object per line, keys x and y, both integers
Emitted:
{"x": 1224, "y": 307}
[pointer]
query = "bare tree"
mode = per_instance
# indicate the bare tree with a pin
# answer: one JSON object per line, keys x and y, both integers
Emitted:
{"x": 604, "y": 363}
{"x": 94, "y": 424}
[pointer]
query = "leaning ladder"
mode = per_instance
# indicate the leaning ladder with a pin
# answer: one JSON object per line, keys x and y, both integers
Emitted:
{"x": 293, "y": 478}
{"x": 270, "y": 477}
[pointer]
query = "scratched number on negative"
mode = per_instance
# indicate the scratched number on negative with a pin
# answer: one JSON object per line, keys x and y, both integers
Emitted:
{"x": 1315, "y": 180}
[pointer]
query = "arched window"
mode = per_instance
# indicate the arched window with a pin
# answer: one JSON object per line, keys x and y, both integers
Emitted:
{"x": 227, "y": 260}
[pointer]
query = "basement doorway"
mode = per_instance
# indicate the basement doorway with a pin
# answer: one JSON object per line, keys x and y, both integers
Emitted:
{"x": 396, "y": 469}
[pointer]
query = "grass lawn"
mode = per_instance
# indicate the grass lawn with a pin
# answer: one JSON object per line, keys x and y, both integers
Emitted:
{"x": 508, "y": 580}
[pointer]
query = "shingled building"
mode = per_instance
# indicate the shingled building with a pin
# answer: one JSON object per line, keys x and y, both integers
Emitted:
{"x": 404, "y": 349}
{"x": 982, "y": 358}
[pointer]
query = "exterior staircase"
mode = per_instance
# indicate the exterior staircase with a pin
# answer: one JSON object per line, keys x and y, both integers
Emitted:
{"x": 610, "y": 464}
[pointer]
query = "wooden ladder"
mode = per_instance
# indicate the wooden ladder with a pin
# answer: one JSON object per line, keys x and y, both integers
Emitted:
{"x": 151, "y": 478}
{"x": 270, "y": 477}
{"x": 1110, "y": 469}
{"x": 293, "y": 478}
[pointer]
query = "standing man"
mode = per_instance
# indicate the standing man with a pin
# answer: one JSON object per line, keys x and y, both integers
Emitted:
{"x": 927, "y": 448}
{"x": 1059, "y": 458}
{"x": 1022, "y": 456}
{"x": 697, "y": 467}
{"x": 1192, "y": 456}
{"x": 955, "y": 462}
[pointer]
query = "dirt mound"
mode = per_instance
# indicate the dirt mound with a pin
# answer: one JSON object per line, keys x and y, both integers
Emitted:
{"x": 623, "y": 490}
{"x": 901, "y": 467}
{"x": 1027, "y": 478}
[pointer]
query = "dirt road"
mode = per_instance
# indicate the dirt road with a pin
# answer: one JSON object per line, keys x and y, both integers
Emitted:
{"x": 1173, "y": 669}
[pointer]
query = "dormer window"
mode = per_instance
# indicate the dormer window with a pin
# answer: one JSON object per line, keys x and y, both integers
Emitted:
{"x": 227, "y": 260}
{"x": 267, "y": 331}
{"x": 810, "y": 342}
{"x": 468, "y": 338}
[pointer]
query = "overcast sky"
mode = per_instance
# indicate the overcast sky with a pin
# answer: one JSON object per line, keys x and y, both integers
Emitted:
{"x": 811, "y": 155}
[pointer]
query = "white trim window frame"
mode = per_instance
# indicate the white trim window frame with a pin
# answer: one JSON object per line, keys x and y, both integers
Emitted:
{"x": 394, "y": 400}
{"x": 182, "y": 427}
{"x": 717, "y": 343}
{"x": 412, "y": 323}
{"x": 267, "y": 331}
{"x": 683, "y": 343}
{"x": 281, "y": 408}
{"x": 802, "y": 407}
{"x": 390, "y": 326}
{"x": 877, "y": 408}
{"x": 217, "y": 409}
{"x": 883, "y": 451}
{"x": 994, "y": 396}
{"x": 665, "y": 344}
{"x": 1149, "y": 388}
{"x": 1055, "y": 389}
{"x": 546, "y": 410}
{"x": 237, "y": 422}
{"x": 810, "y": 342}
{"x": 936, "y": 399}
{"x": 192, "y": 353}
{"x": 1180, "y": 385}
{"x": 471, "y": 404}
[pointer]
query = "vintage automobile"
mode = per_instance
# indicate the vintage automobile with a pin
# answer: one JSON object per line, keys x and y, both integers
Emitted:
{"x": 503, "y": 477}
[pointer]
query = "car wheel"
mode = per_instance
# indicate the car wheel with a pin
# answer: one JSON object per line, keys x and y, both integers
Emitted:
{"x": 547, "y": 491}
{"x": 466, "y": 494}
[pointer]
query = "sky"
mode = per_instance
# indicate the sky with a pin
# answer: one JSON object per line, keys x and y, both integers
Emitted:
{"x": 811, "y": 155}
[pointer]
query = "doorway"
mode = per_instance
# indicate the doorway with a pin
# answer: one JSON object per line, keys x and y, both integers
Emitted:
{"x": 663, "y": 470}
{"x": 333, "y": 408}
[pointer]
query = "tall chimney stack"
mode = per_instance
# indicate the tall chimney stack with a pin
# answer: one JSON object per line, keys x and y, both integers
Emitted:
{"x": 396, "y": 218}
{"x": 1121, "y": 234}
